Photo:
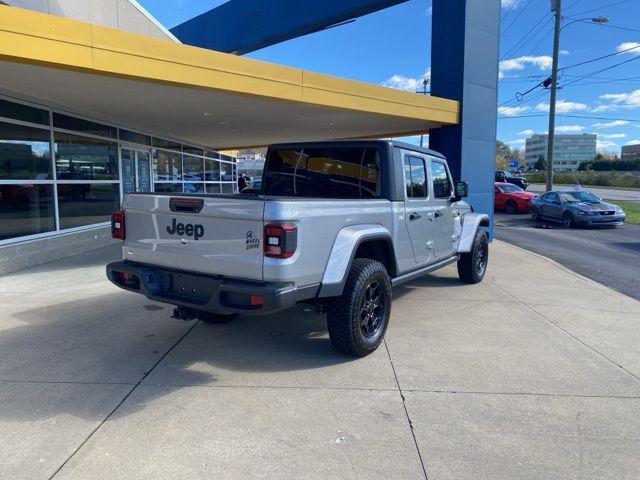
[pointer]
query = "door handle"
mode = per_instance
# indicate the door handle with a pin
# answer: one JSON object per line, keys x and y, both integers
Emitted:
{"x": 437, "y": 214}
{"x": 414, "y": 216}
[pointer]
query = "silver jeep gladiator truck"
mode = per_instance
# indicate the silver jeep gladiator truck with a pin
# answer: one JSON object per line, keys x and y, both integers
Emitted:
{"x": 335, "y": 224}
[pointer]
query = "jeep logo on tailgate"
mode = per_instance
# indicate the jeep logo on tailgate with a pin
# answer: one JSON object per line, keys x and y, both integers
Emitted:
{"x": 188, "y": 229}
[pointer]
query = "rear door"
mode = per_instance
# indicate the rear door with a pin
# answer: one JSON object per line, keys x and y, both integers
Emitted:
{"x": 417, "y": 206}
{"x": 442, "y": 188}
{"x": 216, "y": 235}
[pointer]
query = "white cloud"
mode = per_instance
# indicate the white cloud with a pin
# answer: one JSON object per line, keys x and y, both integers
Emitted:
{"x": 633, "y": 142}
{"x": 528, "y": 131}
{"x": 569, "y": 128}
{"x": 562, "y": 106}
{"x": 402, "y": 82}
{"x": 508, "y": 3}
{"x": 542, "y": 62}
{"x": 605, "y": 144}
{"x": 623, "y": 100}
{"x": 517, "y": 141}
{"x": 564, "y": 52}
{"x": 614, "y": 123}
{"x": 429, "y": 10}
{"x": 611, "y": 135}
{"x": 511, "y": 111}
{"x": 629, "y": 45}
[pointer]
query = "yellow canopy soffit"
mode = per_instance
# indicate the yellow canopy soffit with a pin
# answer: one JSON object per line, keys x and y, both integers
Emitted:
{"x": 37, "y": 38}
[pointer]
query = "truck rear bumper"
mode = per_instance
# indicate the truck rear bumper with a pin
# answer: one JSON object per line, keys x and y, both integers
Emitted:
{"x": 207, "y": 293}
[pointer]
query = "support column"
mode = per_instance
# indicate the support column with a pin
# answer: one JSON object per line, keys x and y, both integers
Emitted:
{"x": 465, "y": 43}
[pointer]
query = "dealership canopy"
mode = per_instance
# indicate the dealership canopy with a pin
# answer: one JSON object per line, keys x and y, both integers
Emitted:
{"x": 193, "y": 94}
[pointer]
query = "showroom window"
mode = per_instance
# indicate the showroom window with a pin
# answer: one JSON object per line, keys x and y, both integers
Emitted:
{"x": 61, "y": 172}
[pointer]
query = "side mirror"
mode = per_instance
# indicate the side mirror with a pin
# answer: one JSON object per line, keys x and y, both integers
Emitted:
{"x": 461, "y": 190}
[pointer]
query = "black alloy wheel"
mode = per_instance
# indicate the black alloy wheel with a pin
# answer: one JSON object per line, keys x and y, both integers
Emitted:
{"x": 511, "y": 206}
{"x": 372, "y": 309}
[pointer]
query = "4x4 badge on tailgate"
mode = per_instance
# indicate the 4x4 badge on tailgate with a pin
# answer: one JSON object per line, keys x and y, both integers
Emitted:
{"x": 189, "y": 229}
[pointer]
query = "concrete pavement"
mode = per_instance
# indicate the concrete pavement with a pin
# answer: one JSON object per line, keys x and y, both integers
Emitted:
{"x": 602, "y": 192}
{"x": 534, "y": 373}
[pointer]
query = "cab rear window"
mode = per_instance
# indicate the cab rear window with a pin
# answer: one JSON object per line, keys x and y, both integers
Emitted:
{"x": 348, "y": 172}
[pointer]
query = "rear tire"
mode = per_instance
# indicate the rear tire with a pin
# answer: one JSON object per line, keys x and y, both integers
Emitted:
{"x": 567, "y": 220}
{"x": 473, "y": 265}
{"x": 357, "y": 320}
{"x": 216, "y": 318}
{"x": 511, "y": 206}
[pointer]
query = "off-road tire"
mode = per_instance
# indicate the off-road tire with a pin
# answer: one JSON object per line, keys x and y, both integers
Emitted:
{"x": 344, "y": 313}
{"x": 568, "y": 221}
{"x": 511, "y": 207}
{"x": 472, "y": 266}
{"x": 216, "y": 318}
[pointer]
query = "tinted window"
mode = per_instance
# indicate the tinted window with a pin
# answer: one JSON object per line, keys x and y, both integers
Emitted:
{"x": 169, "y": 144}
{"x": 24, "y": 113}
{"x": 212, "y": 170}
{"x": 25, "y": 210}
{"x": 84, "y": 126}
{"x": 193, "y": 169}
{"x": 213, "y": 187}
{"x": 134, "y": 137}
{"x": 24, "y": 153}
{"x": 192, "y": 150}
{"x": 347, "y": 172}
{"x": 167, "y": 166}
{"x": 415, "y": 177}
{"x": 441, "y": 182}
{"x": 86, "y": 203}
{"x": 84, "y": 158}
{"x": 167, "y": 187}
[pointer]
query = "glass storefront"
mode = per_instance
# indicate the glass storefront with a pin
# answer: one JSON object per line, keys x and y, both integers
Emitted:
{"x": 59, "y": 172}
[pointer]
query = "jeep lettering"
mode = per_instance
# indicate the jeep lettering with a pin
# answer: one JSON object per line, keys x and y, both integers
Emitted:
{"x": 189, "y": 229}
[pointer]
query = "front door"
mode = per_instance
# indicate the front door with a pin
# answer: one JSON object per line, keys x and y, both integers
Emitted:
{"x": 443, "y": 242}
{"x": 136, "y": 170}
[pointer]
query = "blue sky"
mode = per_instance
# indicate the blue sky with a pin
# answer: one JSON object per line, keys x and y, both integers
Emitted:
{"x": 392, "y": 47}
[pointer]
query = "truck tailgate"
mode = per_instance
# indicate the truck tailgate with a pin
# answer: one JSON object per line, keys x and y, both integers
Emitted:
{"x": 216, "y": 235}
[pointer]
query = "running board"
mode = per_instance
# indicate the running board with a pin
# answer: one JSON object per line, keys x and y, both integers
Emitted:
{"x": 407, "y": 277}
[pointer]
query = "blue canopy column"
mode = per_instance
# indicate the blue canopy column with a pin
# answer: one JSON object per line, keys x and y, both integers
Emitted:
{"x": 464, "y": 66}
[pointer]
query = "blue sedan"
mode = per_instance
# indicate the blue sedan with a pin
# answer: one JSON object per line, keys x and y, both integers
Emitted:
{"x": 575, "y": 208}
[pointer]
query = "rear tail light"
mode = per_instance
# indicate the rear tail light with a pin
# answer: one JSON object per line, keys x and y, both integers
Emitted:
{"x": 118, "y": 225}
{"x": 280, "y": 240}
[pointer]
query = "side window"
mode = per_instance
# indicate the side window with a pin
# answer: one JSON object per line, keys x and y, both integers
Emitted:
{"x": 415, "y": 177}
{"x": 441, "y": 182}
{"x": 554, "y": 198}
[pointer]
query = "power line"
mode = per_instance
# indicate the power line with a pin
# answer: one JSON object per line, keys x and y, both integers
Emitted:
{"x": 601, "y": 58}
{"x": 544, "y": 37}
{"x": 516, "y": 18}
{"x": 532, "y": 115}
{"x": 509, "y": 9}
{"x": 608, "y": 25}
{"x": 595, "y": 72}
{"x": 524, "y": 37}
{"x": 602, "y": 7}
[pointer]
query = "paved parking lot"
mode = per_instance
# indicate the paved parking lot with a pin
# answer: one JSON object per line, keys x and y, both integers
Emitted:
{"x": 533, "y": 374}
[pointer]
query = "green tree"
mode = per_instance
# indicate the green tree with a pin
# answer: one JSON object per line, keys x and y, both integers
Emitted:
{"x": 541, "y": 164}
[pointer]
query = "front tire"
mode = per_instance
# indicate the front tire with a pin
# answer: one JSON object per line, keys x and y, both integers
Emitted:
{"x": 357, "y": 320}
{"x": 567, "y": 220}
{"x": 473, "y": 265}
{"x": 535, "y": 215}
{"x": 511, "y": 206}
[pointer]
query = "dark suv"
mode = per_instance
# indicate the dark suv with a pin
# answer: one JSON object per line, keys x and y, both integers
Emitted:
{"x": 504, "y": 176}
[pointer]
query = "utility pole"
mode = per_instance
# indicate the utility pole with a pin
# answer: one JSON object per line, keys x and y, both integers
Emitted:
{"x": 555, "y": 7}
{"x": 425, "y": 82}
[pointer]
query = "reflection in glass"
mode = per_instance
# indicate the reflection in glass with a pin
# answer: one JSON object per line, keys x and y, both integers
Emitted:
{"x": 84, "y": 158}
{"x": 213, "y": 187}
{"x": 24, "y": 153}
{"x": 193, "y": 169}
{"x": 167, "y": 166}
{"x": 26, "y": 210}
{"x": 228, "y": 187}
{"x": 84, "y": 126}
{"x": 167, "y": 187}
{"x": 212, "y": 170}
{"x": 86, "y": 203}
{"x": 23, "y": 112}
{"x": 194, "y": 187}
{"x": 226, "y": 171}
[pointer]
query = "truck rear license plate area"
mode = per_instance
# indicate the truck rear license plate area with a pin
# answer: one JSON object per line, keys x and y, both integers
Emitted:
{"x": 188, "y": 287}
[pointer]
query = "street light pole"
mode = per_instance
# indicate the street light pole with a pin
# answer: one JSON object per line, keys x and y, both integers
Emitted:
{"x": 555, "y": 6}
{"x": 425, "y": 82}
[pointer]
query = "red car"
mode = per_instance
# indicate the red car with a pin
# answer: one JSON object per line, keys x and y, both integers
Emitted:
{"x": 511, "y": 198}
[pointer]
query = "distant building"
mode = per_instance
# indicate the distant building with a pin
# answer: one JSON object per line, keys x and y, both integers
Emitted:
{"x": 251, "y": 164}
{"x": 631, "y": 151}
{"x": 569, "y": 151}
